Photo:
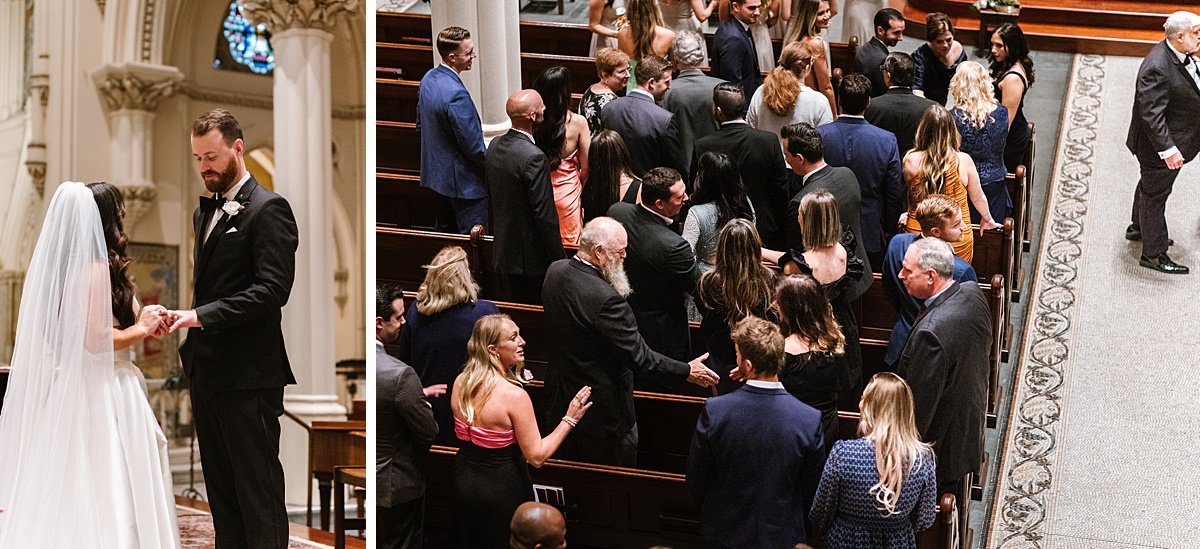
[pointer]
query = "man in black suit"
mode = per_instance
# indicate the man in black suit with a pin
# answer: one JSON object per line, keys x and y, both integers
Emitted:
{"x": 889, "y": 31}
{"x": 234, "y": 355}
{"x": 597, "y": 344}
{"x": 871, "y": 153}
{"x": 734, "y": 57}
{"x": 805, "y": 155}
{"x": 651, "y": 133}
{"x": 662, "y": 267}
{"x": 758, "y": 158}
{"x": 525, "y": 220}
{"x": 404, "y": 429}
{"x": 945, "y": 360}
{"x": 1164, "y": 134}
{"x": 690, "y": 96}
{"x": 899, "y": 110}
{"x": 757, "y": 453}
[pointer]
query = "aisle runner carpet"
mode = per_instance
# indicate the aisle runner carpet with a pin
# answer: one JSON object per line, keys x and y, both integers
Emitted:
{"x": 1101, "y": 449}
{"x": 196, "y": 532}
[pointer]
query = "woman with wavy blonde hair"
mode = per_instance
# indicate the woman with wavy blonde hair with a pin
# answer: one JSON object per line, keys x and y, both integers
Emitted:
{"x": 494, "y": 420}
{"x": 983, "y": 124}
{"x": 784, "y": 98}
{"x": 936, "y": 166}
{"x": 809, "y": 20}
{"x": 889, "y": 469}
{"x": 433, "y": 339}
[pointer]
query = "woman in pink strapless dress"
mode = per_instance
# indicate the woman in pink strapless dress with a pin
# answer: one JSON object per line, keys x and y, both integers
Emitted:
{"x": 564, "y": 137}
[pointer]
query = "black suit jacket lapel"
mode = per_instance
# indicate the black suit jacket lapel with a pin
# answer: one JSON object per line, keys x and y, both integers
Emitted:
{"x": 214, "y": 237}
{"x": 1183, "y": 68}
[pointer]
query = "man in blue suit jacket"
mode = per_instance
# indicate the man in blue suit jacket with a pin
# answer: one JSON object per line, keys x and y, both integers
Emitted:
{"x": 734, "y": 57}
{"x": 451, "y": 136}
{"x": 871, "y": 153}
{"x": 758, "y": 452}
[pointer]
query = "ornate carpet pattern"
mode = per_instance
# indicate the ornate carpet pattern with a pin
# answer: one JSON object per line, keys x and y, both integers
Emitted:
{"x": 1097, "y": 451}
{"x": 196, "y": 532}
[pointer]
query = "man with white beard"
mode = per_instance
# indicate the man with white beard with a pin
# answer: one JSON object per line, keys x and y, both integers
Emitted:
{"x": 595, "y": 342}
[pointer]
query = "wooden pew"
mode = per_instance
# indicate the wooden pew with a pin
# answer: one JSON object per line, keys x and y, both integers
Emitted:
{"x": 396, "y": 100}
{"x": 401, "y": 253}
{"x": 331, "y": 444}
{"x": 397, "y": 147}
{"x": 401, "y": 202}
{"x": 1018, "y": 190}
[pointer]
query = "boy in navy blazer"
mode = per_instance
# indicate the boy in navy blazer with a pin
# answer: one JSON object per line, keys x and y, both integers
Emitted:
{"x": 758, "y": 452}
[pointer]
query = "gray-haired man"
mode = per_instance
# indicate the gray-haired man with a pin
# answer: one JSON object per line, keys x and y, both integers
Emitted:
{"x": 690, "y": 96}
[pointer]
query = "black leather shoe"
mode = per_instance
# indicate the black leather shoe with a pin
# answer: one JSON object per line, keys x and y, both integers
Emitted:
{"x": 1163, "y": 264}
{"x": 1135, "y": 234}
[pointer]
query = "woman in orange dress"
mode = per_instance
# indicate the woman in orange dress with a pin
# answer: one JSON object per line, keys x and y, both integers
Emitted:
{"x": 935, "y": 166}
{"x": 564, "y": 137}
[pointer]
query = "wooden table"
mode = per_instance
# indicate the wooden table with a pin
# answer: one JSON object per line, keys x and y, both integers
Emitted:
{"x": 989, "y": 20}
{"x": 342, "y": 476}
{"x": 330, "y": 444}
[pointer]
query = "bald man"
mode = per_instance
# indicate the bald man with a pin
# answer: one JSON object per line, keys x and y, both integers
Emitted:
{"x": 524, "y": 218}
{"x": 538, "y": 526}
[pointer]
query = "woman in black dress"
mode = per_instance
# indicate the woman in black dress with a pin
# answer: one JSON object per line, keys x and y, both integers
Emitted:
{"x": 610, "y": 179}
{"x": 828, "y": 256}
{"x": 738, "y": 287}
{"x": 937, "y": 60}
{"x": 814, "y": 347}
{"x": 1012, "y": 74}
{"x": 494, "y": 419}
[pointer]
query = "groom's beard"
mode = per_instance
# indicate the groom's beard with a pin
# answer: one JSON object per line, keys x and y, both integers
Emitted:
{"x": 224, "y": 180}
{"x": 614, "y": 273}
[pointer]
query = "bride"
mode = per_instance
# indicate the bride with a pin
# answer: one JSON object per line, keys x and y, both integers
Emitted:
{"x": 83, "y": 462}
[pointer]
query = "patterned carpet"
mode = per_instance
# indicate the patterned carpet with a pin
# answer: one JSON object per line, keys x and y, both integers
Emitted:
{"x": 1099, "y": 449}
{"x": 196, "y": 532}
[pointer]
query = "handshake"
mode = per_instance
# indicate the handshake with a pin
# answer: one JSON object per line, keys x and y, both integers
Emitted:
{"x": 159, "y": 321}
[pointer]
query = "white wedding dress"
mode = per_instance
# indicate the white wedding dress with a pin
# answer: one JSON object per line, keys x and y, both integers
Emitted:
{"x": 84, "y": 460}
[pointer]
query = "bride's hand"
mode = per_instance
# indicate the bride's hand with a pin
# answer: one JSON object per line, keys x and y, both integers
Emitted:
{"x": 152, "y": 319}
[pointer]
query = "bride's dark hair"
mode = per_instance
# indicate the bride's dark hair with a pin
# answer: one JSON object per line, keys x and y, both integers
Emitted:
{"x": 112, "y": 211}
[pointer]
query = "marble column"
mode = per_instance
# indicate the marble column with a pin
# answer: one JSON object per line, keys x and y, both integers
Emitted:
{"x": 12, "y": 57}
{"x": 301, "y": 35}
{"x": 131, "y": 93}
{"x": 495, "y": 29}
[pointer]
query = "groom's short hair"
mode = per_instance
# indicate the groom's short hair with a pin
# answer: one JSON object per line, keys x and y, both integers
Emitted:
{"x": 218, "y": 119}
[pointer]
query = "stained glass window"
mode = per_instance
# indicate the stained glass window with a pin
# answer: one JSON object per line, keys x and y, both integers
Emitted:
{"x": 249, "y": 45}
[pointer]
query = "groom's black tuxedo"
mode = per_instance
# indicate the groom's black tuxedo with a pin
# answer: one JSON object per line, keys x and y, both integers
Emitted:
{"x": 238, "y": 365}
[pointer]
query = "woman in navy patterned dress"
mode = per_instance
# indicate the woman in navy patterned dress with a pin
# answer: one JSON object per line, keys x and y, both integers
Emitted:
{"x": 983, "y": 123}
{"x": 878, "y": 491}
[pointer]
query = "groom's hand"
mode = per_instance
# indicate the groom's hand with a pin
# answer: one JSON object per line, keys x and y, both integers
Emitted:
{"x": 185, "y": 319}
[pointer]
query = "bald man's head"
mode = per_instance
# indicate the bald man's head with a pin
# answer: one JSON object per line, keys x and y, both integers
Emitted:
{"x": 525, "y": 109}
{"x": 537, "y": 525}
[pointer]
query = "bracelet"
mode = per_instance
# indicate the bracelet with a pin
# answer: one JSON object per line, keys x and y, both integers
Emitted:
{"x": 570, "y": 421}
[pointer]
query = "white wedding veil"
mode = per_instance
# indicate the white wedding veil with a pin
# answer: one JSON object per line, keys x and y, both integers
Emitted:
{"x": 59, "y": 451}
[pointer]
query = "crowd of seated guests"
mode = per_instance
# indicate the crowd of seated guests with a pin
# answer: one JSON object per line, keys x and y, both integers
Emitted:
{"x": 770, "y": 248}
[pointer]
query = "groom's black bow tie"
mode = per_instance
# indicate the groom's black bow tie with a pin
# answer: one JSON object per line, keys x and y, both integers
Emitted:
{"x": 209, "y": 204}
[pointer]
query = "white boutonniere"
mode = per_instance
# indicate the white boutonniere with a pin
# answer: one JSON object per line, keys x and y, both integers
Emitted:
{"x": 232, "y": 208}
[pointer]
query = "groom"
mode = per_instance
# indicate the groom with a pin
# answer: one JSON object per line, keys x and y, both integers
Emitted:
{"x": 234, "y": 353}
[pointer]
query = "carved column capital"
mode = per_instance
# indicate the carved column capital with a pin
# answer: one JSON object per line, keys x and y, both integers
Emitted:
{"x": 281, "y": 15}
{"x": 139, "y": 197}
{"x": 137, "y": 86}
{"x": 35, "y": 164}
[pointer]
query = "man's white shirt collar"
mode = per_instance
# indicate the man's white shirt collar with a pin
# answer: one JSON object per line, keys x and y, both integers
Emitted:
{"x": 232, "y": 192}
{"x": 738, "y": 121}
{"x": 804, "y": 180}
{"x": 935, "y": 296}
{"x": 449, "y": 67}
{"x": 526, "y": 134}
{"x": 744, "y": 26}
{"x": 764, "y": 384}
{"x": 665, "y": 219}
{"x": 643, "y": 92}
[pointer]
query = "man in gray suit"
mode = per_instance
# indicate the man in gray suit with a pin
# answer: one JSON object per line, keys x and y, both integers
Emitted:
{"x": 945, "y": 360}
{"x": 1164, "y": 134}
{"x": 404, "y": 428}
{"x": 691, "y": 93}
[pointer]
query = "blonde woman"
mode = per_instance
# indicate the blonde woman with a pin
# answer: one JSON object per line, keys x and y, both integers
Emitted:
{"x": 433, "y": 339}
{"x": 494, "y": 419}
{"x": 889, "y": 470}
{"x": 809, "y": 20}
{"x": 983, "y": 124}
{"x": 784, "y": 98}
{"x": 935, "y": 166}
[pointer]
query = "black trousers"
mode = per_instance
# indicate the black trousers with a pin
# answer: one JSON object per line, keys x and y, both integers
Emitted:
{"x": 399, "y": 526}
{"x": 1150, "y": 203}
{"x": 522, "y": 288}
{"x": 619, "y": 450}
{"x": 238, "y": 433}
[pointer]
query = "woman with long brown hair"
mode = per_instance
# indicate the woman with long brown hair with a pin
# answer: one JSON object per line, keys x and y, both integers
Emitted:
{"x": 784, "y": 98}
{"x": 814, "y": 347}
{"x": 610, "y": 177}
{"x": 738, "y": 287}
{"x": 564, "y": 137}
{"x": 494, "y": 419}
{"x": 645, "y": 36}
{"x": 936, "y": 166}
{"x": 812, "y": 17}
{"x": 889, "y": 470}
{"x": 433, "y": 339}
